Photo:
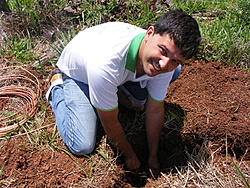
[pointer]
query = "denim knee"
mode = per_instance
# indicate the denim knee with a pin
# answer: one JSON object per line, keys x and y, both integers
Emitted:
{"x": 134, "y": 91}
{"x": 83, "y": 148}
{"x": 176, "y": 74}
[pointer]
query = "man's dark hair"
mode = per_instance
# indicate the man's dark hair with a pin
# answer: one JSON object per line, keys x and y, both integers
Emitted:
{"x": 182, "y": 28}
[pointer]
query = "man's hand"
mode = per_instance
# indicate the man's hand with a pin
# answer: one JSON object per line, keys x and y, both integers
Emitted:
{"x": 133, "y": 163}
{"x": 117, "y": 137}
{"x": 154, "y": 166}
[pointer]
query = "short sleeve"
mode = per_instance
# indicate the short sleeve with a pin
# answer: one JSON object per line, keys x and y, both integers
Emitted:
{"x": 158, "y": 86}
{"x": 103, "y": 90}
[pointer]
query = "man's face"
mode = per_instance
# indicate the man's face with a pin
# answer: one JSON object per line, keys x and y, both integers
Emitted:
{"x": 158, "y": 54}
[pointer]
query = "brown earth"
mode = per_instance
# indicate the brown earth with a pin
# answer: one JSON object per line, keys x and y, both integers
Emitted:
{"x": 208, "y": 103}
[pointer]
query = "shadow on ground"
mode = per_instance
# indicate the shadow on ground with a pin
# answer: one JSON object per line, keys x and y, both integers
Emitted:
{"x": 171, "y": 149}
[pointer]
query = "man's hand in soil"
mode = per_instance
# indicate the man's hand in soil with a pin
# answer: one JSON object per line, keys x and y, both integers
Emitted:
{"x": 154, "y": 166}
{"x": 117, "y": 137}
{"x": 133, "y": 163}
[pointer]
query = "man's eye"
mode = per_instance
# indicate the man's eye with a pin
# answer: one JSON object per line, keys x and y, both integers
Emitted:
{"x": 163, "y": 51}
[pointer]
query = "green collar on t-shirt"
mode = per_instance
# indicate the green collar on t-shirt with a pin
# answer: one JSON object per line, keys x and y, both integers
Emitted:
{"x": 131, "y": 55}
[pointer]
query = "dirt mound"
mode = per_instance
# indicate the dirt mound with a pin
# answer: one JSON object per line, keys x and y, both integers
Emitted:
{"x": 216, "y": 101}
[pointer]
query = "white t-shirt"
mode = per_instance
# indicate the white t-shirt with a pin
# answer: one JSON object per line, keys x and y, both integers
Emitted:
{"x": 104, "y": 57}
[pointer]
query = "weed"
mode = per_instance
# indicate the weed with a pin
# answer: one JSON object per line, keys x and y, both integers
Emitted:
{"x": 63, "y": 40}
{"x": 241, "y": 174}
{"x": 19, "y": 48}
{"x": 89, "y": 172}
{"x": 104, "y": 155}
{"x": 1, "y": 170}
{"x": 224, "y": 27}
{"x": 139, "y": 13}
{"x": 23, "y": 148}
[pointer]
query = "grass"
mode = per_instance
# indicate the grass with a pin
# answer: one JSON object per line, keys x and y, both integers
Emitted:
{"x": 246, "y": 184}
{"x": 1, "y": 170}
{"x": 224, "y": 24}
{"x": 207, "y": 175}
{"x": 19, "y": 48}
{"x": 225, "y": 29}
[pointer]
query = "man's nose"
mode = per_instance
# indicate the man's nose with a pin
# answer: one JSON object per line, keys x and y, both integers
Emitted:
{"x": 164, "y": 62}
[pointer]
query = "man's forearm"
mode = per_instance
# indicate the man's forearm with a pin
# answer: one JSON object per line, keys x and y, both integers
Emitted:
{"x": 115, "y": 132}
{"x": 117, "y": 137}
{"x": 154, "y": 124}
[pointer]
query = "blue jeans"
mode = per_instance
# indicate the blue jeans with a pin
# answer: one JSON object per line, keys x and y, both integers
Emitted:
{"x": 139, "y": 95}
{"x": 76, "y": 118}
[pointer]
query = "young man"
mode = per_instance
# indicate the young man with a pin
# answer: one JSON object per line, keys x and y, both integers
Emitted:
{"x": 111, "y": 56}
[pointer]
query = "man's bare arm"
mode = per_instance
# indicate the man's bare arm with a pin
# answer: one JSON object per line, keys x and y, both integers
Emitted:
{"x": 154, "y": 124}
{"x": 118, "y": 138}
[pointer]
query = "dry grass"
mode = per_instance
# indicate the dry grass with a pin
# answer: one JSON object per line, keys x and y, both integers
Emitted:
{"x": 201, "y": 172}
{"x": 207, "y": 175}
{"x": 216, "y": 171}
{"x": 103, "y": 169}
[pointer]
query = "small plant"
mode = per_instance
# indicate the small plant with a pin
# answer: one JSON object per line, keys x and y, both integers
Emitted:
{"x": 62, "y": 41}
{"x": 1, "y": 171}
{"x": 191, "y": 7}
{"x": 94, "y": 13}
{"x": 104, "y": 155}
{"x": 21, "y": 49}
{"x": 244, "y": 181}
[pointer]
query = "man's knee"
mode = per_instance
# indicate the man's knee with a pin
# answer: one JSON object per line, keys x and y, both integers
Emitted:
{"x": 176, "y": 74}
{"x": 81, "y": 149}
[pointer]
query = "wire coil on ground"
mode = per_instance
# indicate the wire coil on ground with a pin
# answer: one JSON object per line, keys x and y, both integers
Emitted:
{"x": 19, "y": 92}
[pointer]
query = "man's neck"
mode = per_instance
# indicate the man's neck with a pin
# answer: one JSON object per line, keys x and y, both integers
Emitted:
{"x": 139, "y": 65}
{"x": 139, "y": 69}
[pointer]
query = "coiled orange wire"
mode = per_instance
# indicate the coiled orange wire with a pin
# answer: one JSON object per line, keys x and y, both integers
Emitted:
{"x": 21, "y": 86}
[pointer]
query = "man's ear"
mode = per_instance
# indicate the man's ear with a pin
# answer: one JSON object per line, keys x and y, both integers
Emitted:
{"x": 150, "y": 32}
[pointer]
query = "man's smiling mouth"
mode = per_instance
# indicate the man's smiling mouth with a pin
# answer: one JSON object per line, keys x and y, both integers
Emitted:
{"x": 155, "y": 64}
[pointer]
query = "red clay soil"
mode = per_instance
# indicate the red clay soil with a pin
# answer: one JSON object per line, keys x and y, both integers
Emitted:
{"x": 208, "y": 102}
{"x": 217, "y": 102}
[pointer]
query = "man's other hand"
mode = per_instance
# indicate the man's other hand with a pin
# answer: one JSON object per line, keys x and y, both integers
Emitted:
{"x": 154, "y": 166}
{"x": 133, "y": 163}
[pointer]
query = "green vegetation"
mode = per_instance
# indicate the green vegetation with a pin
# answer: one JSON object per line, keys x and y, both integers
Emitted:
{"x": 224, "y": 24}
{"x": 246, "y": 184}
{"x": 225, "y": 29}
{"x": 20, "y": 48}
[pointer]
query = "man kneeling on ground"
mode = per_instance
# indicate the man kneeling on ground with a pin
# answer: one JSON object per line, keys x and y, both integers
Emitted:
{"x": 112, "y": 57}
